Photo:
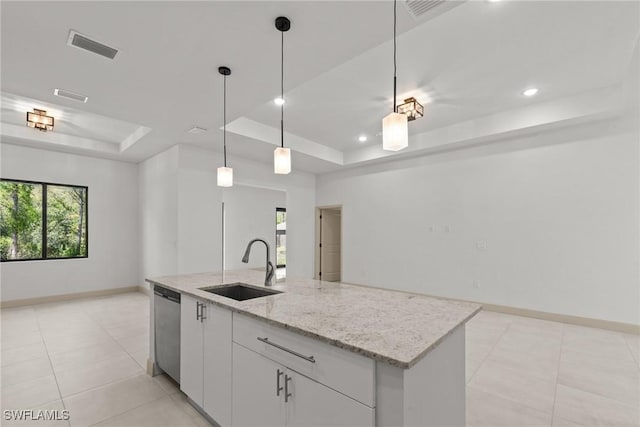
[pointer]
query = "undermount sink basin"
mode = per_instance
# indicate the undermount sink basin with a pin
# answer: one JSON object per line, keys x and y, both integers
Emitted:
{"x": 240, "y": 291}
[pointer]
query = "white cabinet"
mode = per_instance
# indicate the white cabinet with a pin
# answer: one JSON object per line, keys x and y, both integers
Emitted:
{"x": 191, "y": 349}
{"x": 257, "y": 399}
{"x": 311, "y": 404}
{"x": 266, "y": 393}
{"x": 205, "y": 357}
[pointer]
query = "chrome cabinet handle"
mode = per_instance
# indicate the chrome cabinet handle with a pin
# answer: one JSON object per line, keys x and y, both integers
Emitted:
{"x": 203, "y": 312}
{"x": 287, "y": 395}
{"x": 279, "y": 388}
{"x": 295, "y": 353}
{"x": 197, "y": 310}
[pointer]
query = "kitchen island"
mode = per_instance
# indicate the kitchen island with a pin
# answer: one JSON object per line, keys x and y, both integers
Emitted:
{"x": 320, "y": 353}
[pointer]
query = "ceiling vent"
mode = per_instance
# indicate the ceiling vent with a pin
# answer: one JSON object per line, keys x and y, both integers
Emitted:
{"x": 83, "y": 42}
{"x": 196, "y": 130}
{"x": 70, "y": 95}
{"x": 428, "y": 9}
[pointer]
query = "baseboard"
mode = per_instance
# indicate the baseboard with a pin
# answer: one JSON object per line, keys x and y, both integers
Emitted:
{"x": 144, "y": 289}
{"x": 610, "y": 325}
{"x": 67, "y": 297}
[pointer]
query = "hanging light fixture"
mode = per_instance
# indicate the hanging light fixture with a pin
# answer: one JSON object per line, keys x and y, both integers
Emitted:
{"x": 225, "y": 174}
{"x": 281, "y": 155}
{"x": 39, "y": 120}
{"x": 395, "y": 132}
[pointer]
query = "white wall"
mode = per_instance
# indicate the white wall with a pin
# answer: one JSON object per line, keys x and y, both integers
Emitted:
{"x": 158, "y": 188}
{"x": 249, "y": 213}
{"x": 552, "y": 228}
{"x": 191, "y": 240}
{"x": 113, "y": 225}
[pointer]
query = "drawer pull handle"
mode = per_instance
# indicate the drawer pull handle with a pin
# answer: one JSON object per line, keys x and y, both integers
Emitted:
{"x": 279, "y": 388}
{"x": 295, "y": 353}
{"x": 287, "y": 395}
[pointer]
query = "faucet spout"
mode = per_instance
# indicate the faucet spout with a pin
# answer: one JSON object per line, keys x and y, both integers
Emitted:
{"x": 269, "y": 266}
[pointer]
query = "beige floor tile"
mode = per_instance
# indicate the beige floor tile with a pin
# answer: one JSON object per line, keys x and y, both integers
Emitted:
{"x": 559, "y": 422}
{"x": 26, "y": 371}
{"x": 543, "y": 365}
{"x": 101, "y": 403}
{"x": 23, "y": 353}
{"x": 597, "y": 342}
{"x": 30, "y": 394}
{"x": 135, "y": 344}
{"x": 181, "y": 400}
{"x": 76, "y": 380}
{"x": 159, "y": 413}
{"x": 16, "y": 338}
{"x": 141, "y": 358}
{"x": 52, "y": 415}
{"x": 516, "y": 385}
{"x": 86, "y": 356}
{"x": 63, "y": 343}
{"x": 593, "y": 410}
{"x": 633, "y": 342}
{"x": 167, "y": 384}
{"x": 487, "y": 410}
{"x": 129, "y": 330}
{"x": 615, "y": 379}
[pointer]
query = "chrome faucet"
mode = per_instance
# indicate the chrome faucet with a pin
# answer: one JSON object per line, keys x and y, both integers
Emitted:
{"x": 269, "y": 273}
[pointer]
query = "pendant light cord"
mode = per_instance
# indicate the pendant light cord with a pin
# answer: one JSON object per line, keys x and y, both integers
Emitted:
{"x": 395, "y": 108}
{"x": 282, "y": 89}
{"x": 224, "y": 119}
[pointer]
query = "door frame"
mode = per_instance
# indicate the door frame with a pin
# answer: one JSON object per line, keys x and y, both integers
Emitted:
{"x": 316, "y": 266}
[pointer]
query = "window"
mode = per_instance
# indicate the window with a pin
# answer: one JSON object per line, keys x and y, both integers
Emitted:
{"x": 281, "y": 239}
{"x": 42, "y": 221}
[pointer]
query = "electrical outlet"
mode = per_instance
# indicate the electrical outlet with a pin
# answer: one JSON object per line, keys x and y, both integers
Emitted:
{"x": 481, "y": 245}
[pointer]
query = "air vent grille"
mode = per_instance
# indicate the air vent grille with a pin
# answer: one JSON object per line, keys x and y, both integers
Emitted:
{"x": 196, "y": 130}
{"x": 84, "y": 42}
{"x": 70, "y": 95}
{"x": 427, "y": 9}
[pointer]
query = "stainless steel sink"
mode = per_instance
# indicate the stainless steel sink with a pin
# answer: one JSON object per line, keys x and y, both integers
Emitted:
{"x": 240, "y": 291}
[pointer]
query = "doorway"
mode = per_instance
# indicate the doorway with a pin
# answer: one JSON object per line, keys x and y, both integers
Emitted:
{"x": 329, "y": 243}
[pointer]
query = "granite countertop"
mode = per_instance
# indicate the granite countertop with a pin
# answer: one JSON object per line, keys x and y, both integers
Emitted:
{"x": 393, "y": 327}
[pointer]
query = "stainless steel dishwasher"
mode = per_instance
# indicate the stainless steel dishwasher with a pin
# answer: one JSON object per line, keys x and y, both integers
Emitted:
{"x": 167, "y": 330}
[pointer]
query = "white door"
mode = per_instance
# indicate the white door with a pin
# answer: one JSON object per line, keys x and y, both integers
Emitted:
{"x": 191, "y": 347}
{"x": 330, "y": 236}
{"x": 257, "y": 402}
{"x": 313, "y": 405}
{"x": 217, "y": 364}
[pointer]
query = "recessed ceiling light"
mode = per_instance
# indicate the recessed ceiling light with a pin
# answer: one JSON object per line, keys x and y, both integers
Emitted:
{"x": 278, "y": 101}
{"x": 493, "y": 1}
{"x": 530, "y": 92}
{"x": 362, "y": 138}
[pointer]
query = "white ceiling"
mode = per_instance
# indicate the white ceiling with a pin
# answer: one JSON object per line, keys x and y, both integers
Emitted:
{"x": 467, "y": 65}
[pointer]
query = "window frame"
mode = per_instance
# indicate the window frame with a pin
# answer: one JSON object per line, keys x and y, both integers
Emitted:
{"x": 44, "y": 185}
{"x": 280, "y": 233}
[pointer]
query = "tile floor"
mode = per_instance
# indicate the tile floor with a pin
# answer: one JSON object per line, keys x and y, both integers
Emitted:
{"x": 89, "y": 356}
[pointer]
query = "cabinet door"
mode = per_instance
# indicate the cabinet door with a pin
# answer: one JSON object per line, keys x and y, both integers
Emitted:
{"x": 191, "y": 349}
{"x": 313, "y": 404}
{"x": 255, "y": 397}
{"x": 217, "y": 364}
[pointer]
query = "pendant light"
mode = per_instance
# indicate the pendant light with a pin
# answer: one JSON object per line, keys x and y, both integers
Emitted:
{"x": 225, "y": 174}
{"x": 395, "y": 129}
{"x": 281, "y": 155}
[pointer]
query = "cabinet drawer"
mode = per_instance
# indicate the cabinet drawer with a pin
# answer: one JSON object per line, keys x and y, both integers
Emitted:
{"x": 341, "y": 370}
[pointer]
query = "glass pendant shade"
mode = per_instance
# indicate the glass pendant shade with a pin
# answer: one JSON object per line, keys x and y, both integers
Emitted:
{"x": 395, "y": 132}
{"x": 282, "y": 160}
{"x": 225, "y": 177}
